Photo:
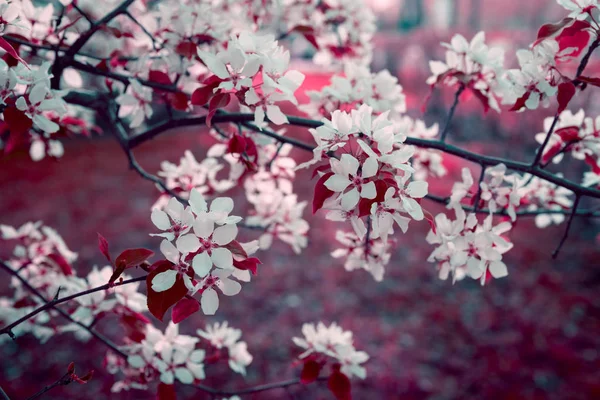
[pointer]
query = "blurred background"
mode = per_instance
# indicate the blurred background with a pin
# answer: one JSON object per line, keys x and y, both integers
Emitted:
{"x": 532, "y": 335}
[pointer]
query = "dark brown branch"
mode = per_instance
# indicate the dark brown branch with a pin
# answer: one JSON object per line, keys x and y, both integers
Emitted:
{"x": 254, "y": 389}
{"x": 56, "y": 301}
{"x": 61, "y": 63}
{"x": 423, "y": 143}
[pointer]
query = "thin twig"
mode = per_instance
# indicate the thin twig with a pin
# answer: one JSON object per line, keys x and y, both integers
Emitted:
{"x": 479, "y": 189}
{"x": 62, "y": 63}
{"x": 540, "y": 150}
{"x": 461, "y": 89}
{"x": 3, "y": 394}
{"x": 568, "y": 228}
{"x": 254, "y": 389}
{"x": 53, "y": 303}
{"x": 62, "y": 381}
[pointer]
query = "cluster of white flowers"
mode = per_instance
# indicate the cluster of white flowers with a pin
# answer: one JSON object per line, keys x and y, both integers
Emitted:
{"x": 539, "y": 194}
{"x": 372, "y": 256}
{"x": 577, "y": 135}
{"x": 190, "y": 174}
{"x": 9, "y": 15}
{"x": 203, "y": 238}
{"x": 43, "y": 259}
{"x": 465, "y": 247}
{"x": 41, "y": 252}
{"x": 26, "y": 93}
{"x": 222, "y": 336}
{"x": 342, "y": 29}
{"x": 372, "y": 178}
{"x": 537, "y": 79}
{"x": 426, "y": 162}
{"x": 276, "y": 208}
{"x": 358, "y": 85}
{"x": 323, "y": 341}
{"x": 247, "y": 58}
{"x": 474, "y": 65}
{"x": 135, "y": 103}
{"x": 498, "y": 190}
{"x": 171, "y": 356}
{"x": 92, "y": 306}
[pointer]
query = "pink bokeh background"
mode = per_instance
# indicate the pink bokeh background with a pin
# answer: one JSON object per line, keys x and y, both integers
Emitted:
{"x": 532, "y": 335}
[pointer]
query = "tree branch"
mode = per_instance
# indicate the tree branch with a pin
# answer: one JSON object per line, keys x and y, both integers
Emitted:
{"x": 56, "y": 301}
{"x": 481, "y": 159}
{"x": 461, "y": 89}
{"x": 61, "y": 63}
{"x": 568, "y": 228}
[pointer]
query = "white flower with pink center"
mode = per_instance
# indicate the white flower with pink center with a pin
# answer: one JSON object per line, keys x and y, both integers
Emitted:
{"x": 347, "y": 176}
{"x": 175, "y": 220}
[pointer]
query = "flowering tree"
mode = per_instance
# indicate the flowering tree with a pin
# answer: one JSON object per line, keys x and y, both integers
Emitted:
{"x": 136, "y": 69}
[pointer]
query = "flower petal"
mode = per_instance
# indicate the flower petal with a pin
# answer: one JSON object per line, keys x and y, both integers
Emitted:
{"x": 188, "y": 243}
{"x": 225, "y": 234}
{"x": 164, "y": 281}
{"x": 222, "y": 258}
{"x": 209, "y": 302}
{"x": 202, "y": 264}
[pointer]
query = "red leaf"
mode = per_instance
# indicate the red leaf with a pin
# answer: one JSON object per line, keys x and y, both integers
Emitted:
{"x": 160, "y": 302}
{"x": 84, "y": 379}
{"x": 166, "y": 392}
{"x": 134, "y": 324}
{"x": 364, "y": 205}
{"x": 237, "y": 250}
{"x": 10, "y": 50}
{"x": 71, "y": 367}
{"x": 520, "y": 103}
{"x": 321, "y": 192}
{"x": 551, "y": 152}
{"x": 577, "y": 41}
{"x": 160, "y": 78}
{"x": 61, "y": 263}
{"x": 575, "y": 36}
{"x": 309, "y": 33}
{"x": 18, "y": 123}
{"x": 339, "y": 384}
{"x": 133, "y": 257}
{"x": 183, "y": 309}
{"x": 585, "y": 79}
{"x": 187, "y": 49}
{"x": 549, "y": 30}
{"x": 483, "y": 99}
{"x": 128, "y": 259}
{"x": 568, "y": 133}
{"x": 236, "y": 145}
{"x": 219, "y": 100}
{"x": 566, "y": 91}
{"x": 202, "y": 95}
{"x": 250, "y": 263}
{"x": 103, "y": 246}
{"x": 310, "y": 371}
{"x": 179, "y": 101}
{"x": 430, "y": 218}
